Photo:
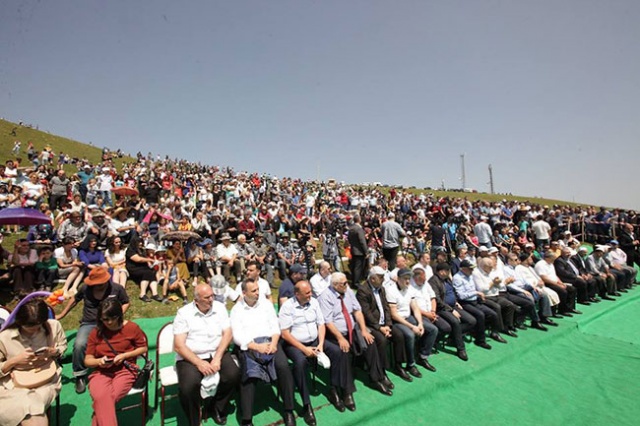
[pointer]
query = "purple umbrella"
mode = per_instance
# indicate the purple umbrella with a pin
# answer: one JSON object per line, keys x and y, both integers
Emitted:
{"x": 23, "y": 217}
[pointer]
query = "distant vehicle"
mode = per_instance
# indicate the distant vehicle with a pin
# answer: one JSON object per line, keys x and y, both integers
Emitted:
{"x": 376, "y": 184}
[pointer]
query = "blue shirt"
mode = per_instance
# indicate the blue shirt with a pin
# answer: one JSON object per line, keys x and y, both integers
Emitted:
{"x": 332, "y": 308}
{"x": 464, "y": 287}
{"x": 302, "y": 321}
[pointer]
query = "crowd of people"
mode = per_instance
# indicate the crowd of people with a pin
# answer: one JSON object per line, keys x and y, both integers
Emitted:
{"x": 384, "y": 276}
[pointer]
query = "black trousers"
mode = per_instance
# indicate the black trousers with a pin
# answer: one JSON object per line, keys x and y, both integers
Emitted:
{"x": 567, "y": 296}
{"x": 285, "y": 385}
{"x": 390, "y": 254}
{"x": 447, "y": 323}
{"x": 189, "y": 379}
{"x": 505, "y": 310}
{"x": 527, "y": 306}
{"x": 397, "y": 346}
{"x": 483, "y": 315}
{"x": 371, "y": 357}
{"x": 357, "y": 267}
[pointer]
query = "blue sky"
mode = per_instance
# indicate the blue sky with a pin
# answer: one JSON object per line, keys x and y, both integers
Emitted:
{"x": 547, "y": 92}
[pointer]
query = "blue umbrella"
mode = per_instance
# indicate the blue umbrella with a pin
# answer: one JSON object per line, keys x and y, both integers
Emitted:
{"x": 23, "y": 217}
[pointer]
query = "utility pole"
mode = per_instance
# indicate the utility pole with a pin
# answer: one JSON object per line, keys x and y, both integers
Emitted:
{"x": 463, "y": 178}
{"x": 491, "y": 179}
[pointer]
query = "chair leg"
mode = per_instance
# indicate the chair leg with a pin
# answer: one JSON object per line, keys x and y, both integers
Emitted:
{"x": 162, "y": 406}
{"x": 144, "y": 407}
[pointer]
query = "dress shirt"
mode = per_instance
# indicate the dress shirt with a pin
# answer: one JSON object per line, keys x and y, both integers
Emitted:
{"x": 332, "y": 308}
{"x": 203, "y": 330}
{"x": 301, "y": 320}
{"x": 518, "y": 285}
{"x": 223, "y": 251}
{"x": 483, "y": 282}
{"x": 319, "y": 284}
{"x": 464, "y": 287}
{"x": 249, "y": 322}
{"x": 376, "y": 296}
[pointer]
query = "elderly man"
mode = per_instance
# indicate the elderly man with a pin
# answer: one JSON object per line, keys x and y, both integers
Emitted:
{"x": 596, "y": 284}
{"x": 297, "y": 272}
{"x": 617, "y": 260}
{"x": 488, "y": 283}
{"x": 372, "y": 297}
{"x": 450, "y": 317}
{"x": 256, "y": 332}
{"x": 566, "y": 292}
{"x": 471, "y": 301}
{"x": 568, "y": 273}
{"x": 321, "y": 280}
{"x": 342, "y": 313}
{"x": 245, "y": 254}
{"x": 597, "y": 266}
{"x": 522, "y": 294}
{"x": 630, "y": 244}
{"x": 526, "y": 274}
{"x": 202, "y": 334}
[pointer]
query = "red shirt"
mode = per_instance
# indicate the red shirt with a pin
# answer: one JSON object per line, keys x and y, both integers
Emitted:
{"x": 128, "y": 338}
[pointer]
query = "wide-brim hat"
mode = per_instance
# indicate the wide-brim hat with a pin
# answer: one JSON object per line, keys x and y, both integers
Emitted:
{"x": 97, "y": 276}
{"x": 225, "y": 236}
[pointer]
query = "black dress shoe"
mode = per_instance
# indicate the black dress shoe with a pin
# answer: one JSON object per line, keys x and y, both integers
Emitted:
{"x": 349, "y": 402}
{"x": 423, "y": 362}
{"x": 388, "y": 383}
{"x": 594, "y": 300}
{"x": 462, "y": 354}
{"x": 585, "y": 302}
{"x": 483, "y": 345}
{"x": 334, "y": 399}
{"x": 567, "y": 314}
{"x": 380, "y": 387}
{"x": 404, "y": 375}
{"x": 308, "y": 415}
{"x": 414, "y": 371}
{"x": 81, "y": 384}
{"x": 607, "y": 298}
{"x": 538, "y": 326}
{"x": 548, "y": 321}
{"x": 621, "y": 290}
{"x": 218, "y": 417}
{"x": 510, "y": 333}
{"x": 574, "y": 311}
{"x": 617, "y": 293}
{"x": 289, "y": 418}
{"x": 498, "y": 338}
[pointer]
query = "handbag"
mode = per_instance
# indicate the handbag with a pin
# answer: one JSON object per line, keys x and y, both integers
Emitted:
{"x": 359, "y": 344}
{"x": 143, "y": 375}
{"x": 38, "y": 375}
{"x": 35, "y": 377}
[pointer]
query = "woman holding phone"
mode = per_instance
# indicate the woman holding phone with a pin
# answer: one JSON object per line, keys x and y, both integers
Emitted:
{"x": 32, "y": 342}
{"x": 112, "y": 350}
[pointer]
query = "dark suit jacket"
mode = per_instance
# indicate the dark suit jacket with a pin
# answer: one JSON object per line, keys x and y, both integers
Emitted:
{"x": 626, "y": 242}
{"x": 579, "y": 263}
{"x": 357, "y": 241}
{"x": 564, "y": 270}
{"x": 370, "y": 308}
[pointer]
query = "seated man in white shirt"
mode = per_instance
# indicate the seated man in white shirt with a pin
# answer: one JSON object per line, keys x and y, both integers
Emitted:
{"x": 322, "y": 279}
{"x": 202, "y": 334}
{"x": 256, "y": 333}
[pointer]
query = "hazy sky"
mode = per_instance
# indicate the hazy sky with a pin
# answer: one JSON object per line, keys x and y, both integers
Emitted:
{"x": 546, "y": 91}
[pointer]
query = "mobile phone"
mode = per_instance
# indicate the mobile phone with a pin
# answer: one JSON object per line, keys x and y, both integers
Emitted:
{"x": 108, "y": 360}
{"x": 40, "y": 351}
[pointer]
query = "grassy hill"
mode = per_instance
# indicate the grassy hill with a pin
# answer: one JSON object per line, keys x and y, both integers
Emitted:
{"x": 41, "y": 139}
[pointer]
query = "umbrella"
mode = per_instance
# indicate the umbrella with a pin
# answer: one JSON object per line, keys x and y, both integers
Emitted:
{"x": 125, "y": 190}
{"x": 23, "y": 217}
{"x": 180, "y": 235}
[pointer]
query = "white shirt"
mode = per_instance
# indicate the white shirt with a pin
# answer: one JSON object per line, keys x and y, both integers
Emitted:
{"x": 264, "y": 288}
{"x": 223, "y": 251}
{"x": 402, "y": 299}
{"x": 301, "y": 320}
{"x": 483, "y": 282}
{"x": 424, "y": 295}
{"x": 319, "y": 284}
{"x": 546, "y": 269}
{"x": 249, "y": 322}
{"x": 204, "y": 331}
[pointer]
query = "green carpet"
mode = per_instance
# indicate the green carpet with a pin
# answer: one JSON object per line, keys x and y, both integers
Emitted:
{"x": 584, "y": 372}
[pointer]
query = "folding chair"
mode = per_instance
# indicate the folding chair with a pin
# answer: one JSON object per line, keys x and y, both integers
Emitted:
{"x": 143, "y": 402}
{"x": 167, "y": 376}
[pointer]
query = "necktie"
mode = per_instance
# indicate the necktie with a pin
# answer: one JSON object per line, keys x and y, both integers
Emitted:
{"x": 347, "y": 318}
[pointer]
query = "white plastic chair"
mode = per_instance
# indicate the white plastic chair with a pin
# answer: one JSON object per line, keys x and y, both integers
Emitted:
{"x": 167, "y": 376}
